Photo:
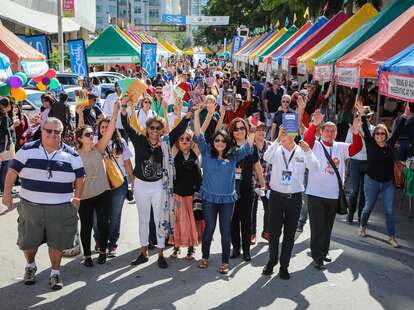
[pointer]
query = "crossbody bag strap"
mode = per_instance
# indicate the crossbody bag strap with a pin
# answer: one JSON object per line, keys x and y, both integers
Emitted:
{"x": 112, "y": 158}
{"x": 329, "y": 158}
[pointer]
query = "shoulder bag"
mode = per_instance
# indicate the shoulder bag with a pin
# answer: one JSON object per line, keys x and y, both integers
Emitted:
{"x": 113, "y": 171}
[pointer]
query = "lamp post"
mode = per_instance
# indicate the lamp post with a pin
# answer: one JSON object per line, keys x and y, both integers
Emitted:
{"x": 60, "y": 37}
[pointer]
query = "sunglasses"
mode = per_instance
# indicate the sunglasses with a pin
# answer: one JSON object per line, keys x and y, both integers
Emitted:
{"x": 285, "y": 101}
{"x": 185, "y": 139}
{"x": 219, "y": 140}
{"x": 159, "y": 92}
{"x": 52, "y": 131}
{"x": 381, "y": 133}
{"x": 88, "y": 134}
{"x": 157, "y": 128}
{"x": 236, "y": 129}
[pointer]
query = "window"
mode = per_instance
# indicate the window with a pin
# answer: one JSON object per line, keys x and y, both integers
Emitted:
{"x": 98, "y": 8}
{"x": 112, "y": 9}
{"x": 154, "y": 3}
{"x": 137, "y": 10}
{"x": 137, "y": 0}
{"x": 154, "y": 13}
{"x": 137, "y": 21}
{"x": 99, "y": 20}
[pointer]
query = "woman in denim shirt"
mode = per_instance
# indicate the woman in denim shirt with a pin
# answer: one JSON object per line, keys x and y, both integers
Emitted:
{"x": 218, "y": 186}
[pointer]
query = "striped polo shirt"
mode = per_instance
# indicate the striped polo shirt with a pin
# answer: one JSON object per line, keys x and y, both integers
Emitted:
{"x": 47, "y": 178}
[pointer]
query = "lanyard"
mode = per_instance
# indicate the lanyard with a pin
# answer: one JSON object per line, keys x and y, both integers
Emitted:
{"x": 290, "y": 158}
{"x": 49, "y": 163}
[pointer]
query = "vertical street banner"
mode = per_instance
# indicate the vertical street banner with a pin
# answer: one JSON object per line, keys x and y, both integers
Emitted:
{"x": 39, "y": 42}
{"x": 68, "y": 8}
{"x": 149, "y": 59}
{"x": 78, "y": 60}
{"x": 236, "y": 45}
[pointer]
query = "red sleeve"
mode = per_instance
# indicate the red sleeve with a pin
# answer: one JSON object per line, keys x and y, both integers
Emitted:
{"x": 243, "y": 109}
{"x": 309, "y": 136}
{"x": 356, "y": 145}
{"x": 305, "y": 119}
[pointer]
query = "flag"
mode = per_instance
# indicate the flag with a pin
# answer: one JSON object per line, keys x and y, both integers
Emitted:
{"x": 306, "y": 14}
{"x": 287, "y": 21}
{"x": 325, "y": 8}
{"x": 294, "y": 18}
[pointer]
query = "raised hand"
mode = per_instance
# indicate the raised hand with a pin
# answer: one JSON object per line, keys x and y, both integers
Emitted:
{"x": 304, "y": 146}
{"x": 317, "y": 117}
{"x": 282, "y": 133}
{"x": 211, "y": 107}
{"x": 356, "y": 125}
{"x": 407, "y": 111}
{"x": 359, "y": 106}
{"x": 301, "y": 103}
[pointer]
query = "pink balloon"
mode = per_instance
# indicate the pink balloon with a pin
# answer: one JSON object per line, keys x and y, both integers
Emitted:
{"x": 51, "y": 73}
{"x": 46, "y": 81}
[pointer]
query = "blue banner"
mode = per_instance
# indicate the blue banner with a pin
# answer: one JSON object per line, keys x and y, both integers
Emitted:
{"x": 149, "y": 58}
{"x": 173, "y": 19}
{"x": 236, "y": 44}
{"x": 39, "y": 42}
{"x": 78, "y": 60}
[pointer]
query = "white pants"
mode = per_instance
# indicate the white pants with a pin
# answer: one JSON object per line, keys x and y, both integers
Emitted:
{"x": 148, "y": 194}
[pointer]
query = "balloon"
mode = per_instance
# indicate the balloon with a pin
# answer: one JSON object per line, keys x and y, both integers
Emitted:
{"x": 38, "y": 78}
{"x": 54, "y": 84}
{"x": 51, "y": 73}
{"x": 15, "y": 81}
{"x": 41, "y": 86}
{"x": 18, "y": 93}
{"x": 5, "y": 90}
{"x": 46, "y": 81}
{"x": 23, "y": 76}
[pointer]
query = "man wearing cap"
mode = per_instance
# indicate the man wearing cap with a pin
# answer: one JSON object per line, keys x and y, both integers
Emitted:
{"x": 357, "y": 167}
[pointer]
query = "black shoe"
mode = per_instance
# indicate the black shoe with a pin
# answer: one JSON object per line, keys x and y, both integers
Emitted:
{"x": 139, "y": 260}
{"x": 318, "y": 265}
{"x": 299, "y": 228}
{"x": 151, "y": 246}
{"x": 235, "y": 253}
{"x": 350, "y": 219}
{"x": 102, "y": 258}
{"x": 162, "y": 263}
{"x": 247, "y": 257}
{"x": 88, "y": 262}
{"x": 268, "y": 269}
{"x": 327, "y": 258}
{"x": 284, "y": 273}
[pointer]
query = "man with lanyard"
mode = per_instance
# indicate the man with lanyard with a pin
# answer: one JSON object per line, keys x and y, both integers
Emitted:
{"x": 289, "y": 162}
{"x": 52, "y": 177}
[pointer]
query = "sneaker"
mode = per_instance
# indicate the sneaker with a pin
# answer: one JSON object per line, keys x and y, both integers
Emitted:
{"x": 253, "y": 239}
{"x": 162, "y": 263}
{"x": 29, "y": 275}
{"x": 393, "y": 243}
{"x": 139, "y": 260}
{"x": 55, "y": 282}
{"x": 112, "y": 252}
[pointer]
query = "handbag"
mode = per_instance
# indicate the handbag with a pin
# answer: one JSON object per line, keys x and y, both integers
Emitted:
{"x": 342, "y": 207}
{"x": 113, "y": 171}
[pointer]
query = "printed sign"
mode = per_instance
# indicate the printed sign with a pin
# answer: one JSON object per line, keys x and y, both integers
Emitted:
{"x": 77, "y": 53}
{"x": 34, "y": 68}
{"x": 173, "y": 19}
{"x": 347, "y": 77}
{"x": 290, "y": 122}
{"x": 39, "y": 42}
{"x": 397, "y": 86}
{"x": 132, "y": 88}
{"x": 68, "y": 8}
{"x": 236, "y": 44}
{"x": 302, "y": 69}
{"x": 322, "y": 73}
{"x": 207, "y": 20}
{"x": 149, "y": 58}
{"x": 285, "y": 64}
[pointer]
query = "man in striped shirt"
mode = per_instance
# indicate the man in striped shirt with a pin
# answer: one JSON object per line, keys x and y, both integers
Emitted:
{"x": 51, "y": 175}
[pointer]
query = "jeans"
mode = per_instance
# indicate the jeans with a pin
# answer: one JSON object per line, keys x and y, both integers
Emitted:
{"x": 372, "y": 190}
{"x": 3, "y": 171}
{"x": 356, "y": 173}
{"x": 265, "y": 203}
{"x": 225, "y": 212}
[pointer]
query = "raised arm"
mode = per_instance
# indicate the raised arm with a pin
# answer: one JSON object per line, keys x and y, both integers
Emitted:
{"x": 310, "y": 134}
{"x": 197, "y": 130}
{"x": 132, "y": 134}
{"x": 179, "y": 130}
{"x": 106, "y": 138}
{"x": 356, "y": 146}
{"x": 301, "y": 110}
{"x": 81, "y": 119}
{"x": 221, "y": 119}
{"x": 367, "y": 134}
{"x": 245, "y": 150}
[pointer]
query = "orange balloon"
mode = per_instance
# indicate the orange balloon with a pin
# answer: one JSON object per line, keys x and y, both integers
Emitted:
{"x": 41, "y": 86}
{"x": 19, "y": 94}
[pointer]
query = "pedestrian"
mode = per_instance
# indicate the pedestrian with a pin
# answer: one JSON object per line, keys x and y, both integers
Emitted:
{"x": 144, "y": 111}
{"x": 278, "y": 117}
{"x": 109, "y": 106}
{"x": 272, "y": 101}
{"x": 289, "y": 162}
{"x": 323, "y": 186}
{"x": 96, "y": 193}
{"x": 52, "y": 177}
{"x": 218, "y": 186}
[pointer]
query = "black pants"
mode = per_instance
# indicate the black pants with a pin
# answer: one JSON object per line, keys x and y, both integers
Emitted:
{"x": 283, "y": 212}
{"x": 322, "y": 212}
{"x": 102, "y": 206}
{"x": 242, "y": 220}
{"x": 265, "y": 203}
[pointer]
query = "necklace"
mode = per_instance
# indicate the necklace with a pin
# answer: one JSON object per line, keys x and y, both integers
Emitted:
{"x": 152, "y": 145}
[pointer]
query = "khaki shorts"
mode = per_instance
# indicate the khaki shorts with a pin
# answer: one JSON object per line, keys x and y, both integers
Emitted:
{"x": 55, "y": 225}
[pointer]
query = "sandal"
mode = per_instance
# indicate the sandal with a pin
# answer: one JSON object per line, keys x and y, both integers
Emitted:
{"x": 176, "y": 252}
{"x": 394, "y": 243}
{"x": 190, "y": 253}
{"x": 362, "y": 232}
{"x": 203, "y": 263}
{"x": 224, "y": 268}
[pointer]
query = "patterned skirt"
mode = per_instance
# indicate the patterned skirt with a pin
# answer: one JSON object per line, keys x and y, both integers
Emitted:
{"x": 185, "y": 228}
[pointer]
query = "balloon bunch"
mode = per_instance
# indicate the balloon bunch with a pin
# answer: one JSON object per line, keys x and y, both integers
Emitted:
{"x": 16, "y": 83}
{"x": 47, "y": 81}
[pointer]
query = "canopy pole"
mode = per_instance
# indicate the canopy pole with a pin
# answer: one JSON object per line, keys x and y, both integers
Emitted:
{"x": 60, "y": 37}
{"x": 378, "y": 107}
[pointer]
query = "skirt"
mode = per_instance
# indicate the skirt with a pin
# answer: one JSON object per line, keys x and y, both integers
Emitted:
{"x": 185, "y": 229}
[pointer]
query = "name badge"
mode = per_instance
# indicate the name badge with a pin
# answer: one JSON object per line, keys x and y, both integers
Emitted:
{"x": 238, "y": 176}
{"x": 286, "y": 177}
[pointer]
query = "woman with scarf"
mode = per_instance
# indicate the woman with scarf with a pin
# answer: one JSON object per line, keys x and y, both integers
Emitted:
{"x": 154, "y": 175}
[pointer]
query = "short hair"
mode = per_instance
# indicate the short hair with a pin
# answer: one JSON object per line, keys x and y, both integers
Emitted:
{"x": 329, "y": 124}
{"x": 48, "y": 97}
{"x": 288, "y": 97}
{"x": 54, "y": 121}
{"x": 155, "y": 119}
{"x": 210, "y": 97}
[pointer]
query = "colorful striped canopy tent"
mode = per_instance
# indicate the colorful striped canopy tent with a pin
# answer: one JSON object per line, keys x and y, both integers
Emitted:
{"x": 265, "y": 44}
{"x": 242, "y": 56}
{"x": 246, "y": 45}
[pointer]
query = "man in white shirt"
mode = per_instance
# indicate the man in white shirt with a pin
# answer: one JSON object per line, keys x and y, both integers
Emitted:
{"x": 108, "y": 108}
{"x": 357, "y": 166}
{"x": 289, "y": 162}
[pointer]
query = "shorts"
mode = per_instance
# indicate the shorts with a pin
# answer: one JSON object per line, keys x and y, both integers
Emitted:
{"x": 55, "y": 225}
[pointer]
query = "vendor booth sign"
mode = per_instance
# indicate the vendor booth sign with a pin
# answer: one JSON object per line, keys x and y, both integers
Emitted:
{"x": 302, "y": 68}
{"x": 397, "y": 86}
{"x": 77, "y": 53}
{"x": 149, "y": 58}
{"x": 322, "y": 73}
{"x": 347, "y": 77}
{"x": 39, "y": 42}
{"x": 34, "y": 68}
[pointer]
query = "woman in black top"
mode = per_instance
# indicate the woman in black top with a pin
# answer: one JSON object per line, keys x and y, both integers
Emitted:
{"x": 379, "y": 176}
{"x": 153, "y": 175}
{"x": 186, "y": 183}
{"x": 242, "y": 216}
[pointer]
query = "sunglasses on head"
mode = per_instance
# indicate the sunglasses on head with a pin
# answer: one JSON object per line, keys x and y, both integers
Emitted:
{"x": 52, "y": 131}
{"x": 380, "y": 133}
{"x": 157, "y": 128}
{"x": 88, "y": 134}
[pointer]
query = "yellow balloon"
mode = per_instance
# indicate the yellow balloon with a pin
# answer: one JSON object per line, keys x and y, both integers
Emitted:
{"x": 19, "y": 94}
{"x": 41, "y": 86}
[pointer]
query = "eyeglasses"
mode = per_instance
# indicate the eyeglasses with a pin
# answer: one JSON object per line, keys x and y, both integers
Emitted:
{"x": 88, "y": 134}
{"x": 157, "y": 128}
{"x": 185, "y": 139}
{"x": 219, "y": 140}
{"x": 285, "y": 101}
{"x": 380, "y": 133}
{"x": 236, "y": 129}
{"x": 52, "y": 131}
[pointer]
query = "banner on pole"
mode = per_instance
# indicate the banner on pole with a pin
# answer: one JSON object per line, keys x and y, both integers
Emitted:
{"x": 302, "y": 69}
{"x": 347, "y": 76}
{"x": 78, "y": 60}
{"x": 397, "y": 86}
{"x": 236, "y": 44}
{"x": 39, "y": 42}
{"x": 149, "y": 58}
{"x": 68, "y": 8}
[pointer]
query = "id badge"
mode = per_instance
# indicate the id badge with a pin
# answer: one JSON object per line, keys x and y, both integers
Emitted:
{"x": 286, "y": 177}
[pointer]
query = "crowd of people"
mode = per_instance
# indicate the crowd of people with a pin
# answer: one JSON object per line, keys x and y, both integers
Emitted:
{"x": 214, "y": 151}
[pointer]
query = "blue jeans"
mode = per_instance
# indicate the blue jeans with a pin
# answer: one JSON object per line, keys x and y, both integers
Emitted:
{"x": 225, "y": 212}
{"x": 372, "y": 190}
{"x": 356, "y": 173}
{"x": 117, "y": 202}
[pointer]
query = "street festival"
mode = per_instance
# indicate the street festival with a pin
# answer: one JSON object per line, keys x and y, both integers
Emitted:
{"x": 129, "y": 130}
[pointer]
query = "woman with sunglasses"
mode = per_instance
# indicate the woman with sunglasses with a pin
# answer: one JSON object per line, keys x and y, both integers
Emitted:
{"x": 153, "y": 174}
{"x": 218, "y": 186}
{"x": 144, "y": 110}
{"x": 379, "y": 175}
{"x": 96, "y": 191}
{"x": 244, "y": 178}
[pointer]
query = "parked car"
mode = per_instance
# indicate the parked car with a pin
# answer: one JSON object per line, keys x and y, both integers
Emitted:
{"x": 106, "y": 77}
